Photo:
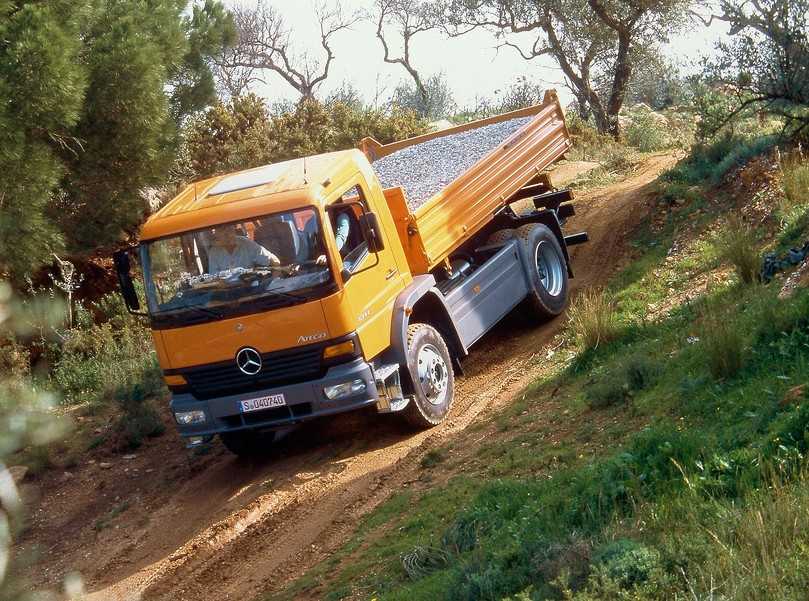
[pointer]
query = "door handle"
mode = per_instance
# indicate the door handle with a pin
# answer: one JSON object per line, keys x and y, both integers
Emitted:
{"x": 391, "y": 272}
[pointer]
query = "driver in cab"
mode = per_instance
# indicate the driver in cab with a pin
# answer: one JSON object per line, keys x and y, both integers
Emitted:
{"x": 231, "y": 250}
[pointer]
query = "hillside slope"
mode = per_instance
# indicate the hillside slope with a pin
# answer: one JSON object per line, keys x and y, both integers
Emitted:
{"x": 167, "y": 525}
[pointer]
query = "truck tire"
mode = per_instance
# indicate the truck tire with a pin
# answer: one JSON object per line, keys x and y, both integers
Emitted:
{"x": 545, "y": 263}
{"x": 433, "y": 383}
{"x": 248, "y": 443}
{"x": 501, "y": 236}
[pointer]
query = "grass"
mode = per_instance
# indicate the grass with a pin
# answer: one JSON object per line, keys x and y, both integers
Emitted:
{"x": 738, "y": 245}
{"x": 722, "y": 341}
{"x": 592, "y": 319}
{"x": 795, "y": 179}
{"x": 664, "y": 460}
{"x": 433, "y": 458}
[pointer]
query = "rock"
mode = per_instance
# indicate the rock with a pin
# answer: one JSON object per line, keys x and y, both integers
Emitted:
{"x": 679, "y": 201}
{"x": 104, "y": 465}
{"x": 793, "y": 395}
{"x": 18, "y": 473}
{"x": 798, "y": 279}
{"x": 66, "y": 477}
{"x": 130, "y": 457}
{"x": 641, "y": 107}
{"x": 441, "y": 124}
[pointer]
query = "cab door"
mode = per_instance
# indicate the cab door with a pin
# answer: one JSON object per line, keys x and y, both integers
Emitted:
{"x": 374, "y": 280}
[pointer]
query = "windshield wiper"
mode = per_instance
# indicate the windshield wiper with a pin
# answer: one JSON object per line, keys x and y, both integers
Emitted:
{"x": 207, "y": 311}
{"x": 181, "y": 310}
{"x": 280, "y": 294}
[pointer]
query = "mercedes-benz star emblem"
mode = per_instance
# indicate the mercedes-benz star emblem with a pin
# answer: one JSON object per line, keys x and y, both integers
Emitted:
{"x": 249, "y": 361}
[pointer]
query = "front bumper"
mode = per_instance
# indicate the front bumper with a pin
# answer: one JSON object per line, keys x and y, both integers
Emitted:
{"x": 305, "y": 401}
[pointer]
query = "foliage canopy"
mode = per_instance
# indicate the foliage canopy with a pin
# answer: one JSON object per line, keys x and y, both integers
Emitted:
{"x": 94, "y": 92}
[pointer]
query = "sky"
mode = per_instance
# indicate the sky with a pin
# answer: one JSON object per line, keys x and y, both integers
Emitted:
{"x": 471, "y": 64}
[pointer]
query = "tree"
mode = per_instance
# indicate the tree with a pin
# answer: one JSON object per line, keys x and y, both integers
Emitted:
{"x": 408, "y": 18}
{"x": 588, "y": 39}
{"x": 93, "y": 93}
{"x": 229, "y": 137}
{"x": 766, "y": 65}
{"x": 265, "y": 43}
{"x": 41, "y": 84}
{"x": 655, "y": 81}
{"x": 436, "y": 103}
{"x": 243, "y": 133}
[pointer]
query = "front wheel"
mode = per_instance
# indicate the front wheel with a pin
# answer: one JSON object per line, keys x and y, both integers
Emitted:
{"x": 248, "y": 443}
{"x": 430, "y": 368}
{"x": 547, "y": 268}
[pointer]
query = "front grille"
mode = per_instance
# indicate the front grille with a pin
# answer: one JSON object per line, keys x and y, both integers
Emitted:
{"x": 279, "y": 368}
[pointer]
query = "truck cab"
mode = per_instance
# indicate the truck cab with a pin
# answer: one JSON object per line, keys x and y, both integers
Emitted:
{"x": 258, "y": 317}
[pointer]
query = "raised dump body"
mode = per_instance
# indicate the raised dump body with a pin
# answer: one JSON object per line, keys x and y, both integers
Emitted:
{"x": 443, "y": 187}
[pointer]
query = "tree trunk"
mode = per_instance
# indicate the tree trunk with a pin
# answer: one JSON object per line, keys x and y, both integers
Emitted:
{"x": 620, "y": 82}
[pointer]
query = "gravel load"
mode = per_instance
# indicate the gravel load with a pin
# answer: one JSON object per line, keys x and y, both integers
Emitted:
{"x": 424, "y": 169}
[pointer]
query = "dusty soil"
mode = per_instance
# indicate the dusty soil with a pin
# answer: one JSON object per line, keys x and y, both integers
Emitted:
{"x": 166, "y": 524}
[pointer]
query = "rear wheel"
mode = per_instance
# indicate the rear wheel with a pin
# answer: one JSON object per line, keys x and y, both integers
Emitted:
{"x": 248, "y": 443}
{"x": 430, "y": 368}
{"x": 545, "y": 263}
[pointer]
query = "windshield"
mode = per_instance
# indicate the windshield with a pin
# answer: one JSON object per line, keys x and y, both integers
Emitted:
{"x": 239, "y": 267}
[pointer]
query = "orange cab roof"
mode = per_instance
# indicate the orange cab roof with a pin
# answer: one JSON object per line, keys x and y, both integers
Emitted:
{"x": 253, "y": 192}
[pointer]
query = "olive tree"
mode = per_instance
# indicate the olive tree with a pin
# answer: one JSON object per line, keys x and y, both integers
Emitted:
{"x": 265, "y": 43}
{"x": 590, "y": 40}
{"x": 765, "y": 65}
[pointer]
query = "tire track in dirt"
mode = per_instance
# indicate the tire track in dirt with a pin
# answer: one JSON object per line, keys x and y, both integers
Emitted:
{"x": 237, "y": 530}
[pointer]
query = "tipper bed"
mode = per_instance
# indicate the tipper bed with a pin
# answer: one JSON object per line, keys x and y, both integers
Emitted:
{"x": 425, "y": 168}
{"x": 443, "y": 187}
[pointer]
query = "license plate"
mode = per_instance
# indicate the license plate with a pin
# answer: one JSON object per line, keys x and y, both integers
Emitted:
{"x": 264, "y": 402}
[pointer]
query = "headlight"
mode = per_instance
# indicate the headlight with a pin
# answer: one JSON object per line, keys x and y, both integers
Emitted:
{"x": 189, "y": 418}
{"x": 339, "y": 391}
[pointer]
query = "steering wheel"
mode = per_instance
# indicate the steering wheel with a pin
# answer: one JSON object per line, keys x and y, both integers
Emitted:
{"x": 249, "y": 277}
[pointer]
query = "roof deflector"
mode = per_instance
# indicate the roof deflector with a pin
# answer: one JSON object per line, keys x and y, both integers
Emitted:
{"x": 249, "y": 179}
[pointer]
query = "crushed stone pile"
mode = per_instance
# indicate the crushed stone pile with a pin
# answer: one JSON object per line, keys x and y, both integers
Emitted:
{"x": 424, "y": 169}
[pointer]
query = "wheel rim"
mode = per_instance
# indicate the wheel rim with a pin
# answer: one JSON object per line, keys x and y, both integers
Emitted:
{"x": 549, "y": 268}
{"x": 433, "y": 374}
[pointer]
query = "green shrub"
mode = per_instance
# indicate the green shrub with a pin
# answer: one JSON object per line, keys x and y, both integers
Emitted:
{"x": 139, "y": 419}
{"x": 738, "y": 245}
{"x": 641, "y": 371}
{"x": 627, "y": 563}
{"x": 709, "y": 162}
{"x": 607, "y": 392}
{"x": 592, "y": 318}
{"x": 589, "y": 145}
{"x": 93, "y": 363}
{"x": 244, "y": 134}
{"x": 646, "y": 132}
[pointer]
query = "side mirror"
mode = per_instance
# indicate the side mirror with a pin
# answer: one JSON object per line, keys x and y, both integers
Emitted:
{"x": 369, "y": 224}
{"x": 122, "y": 268}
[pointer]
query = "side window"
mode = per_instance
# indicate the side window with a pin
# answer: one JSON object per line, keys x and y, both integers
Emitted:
{"x": 345, "y": 225}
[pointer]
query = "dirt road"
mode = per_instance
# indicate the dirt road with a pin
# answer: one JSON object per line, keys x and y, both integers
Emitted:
{"x": 165, "y": 525}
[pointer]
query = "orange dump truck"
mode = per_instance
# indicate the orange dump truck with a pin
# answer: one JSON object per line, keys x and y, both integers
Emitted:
{"x": 334, "y": 282}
